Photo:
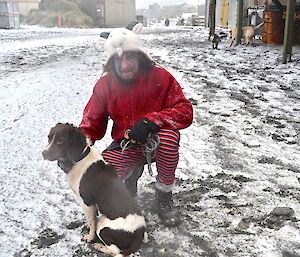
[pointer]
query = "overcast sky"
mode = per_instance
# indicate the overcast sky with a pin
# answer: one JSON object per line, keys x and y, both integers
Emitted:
{"x": 145, "y": 3}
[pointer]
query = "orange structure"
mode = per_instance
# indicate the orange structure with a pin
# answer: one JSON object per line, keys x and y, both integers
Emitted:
{"x": 274, "y": 23}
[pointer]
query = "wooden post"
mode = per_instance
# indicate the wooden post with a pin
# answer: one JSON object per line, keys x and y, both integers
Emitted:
{"x": 212, "y": 17}
{"x": 239, "y": 25}
{"x": 288, "y": 31}
{"x": 207, "y": 8}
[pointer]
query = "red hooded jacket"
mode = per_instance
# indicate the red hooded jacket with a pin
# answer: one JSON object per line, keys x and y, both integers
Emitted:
{"x": 155, "y": 95}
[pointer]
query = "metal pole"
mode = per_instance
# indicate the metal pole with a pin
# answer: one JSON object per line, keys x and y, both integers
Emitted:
{"x": 212, "y": 17}
{"x": 288, "y": 31}
{"x": 240, "y": 16}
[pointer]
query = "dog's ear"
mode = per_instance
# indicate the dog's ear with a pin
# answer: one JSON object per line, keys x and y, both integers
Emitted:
{"x": 138, "y": 28}
{"x": 76, "y": 142}
{"x": 51, "y": 132}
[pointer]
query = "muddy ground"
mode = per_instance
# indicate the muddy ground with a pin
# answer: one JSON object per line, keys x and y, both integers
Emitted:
{"x": 239, "y": 173}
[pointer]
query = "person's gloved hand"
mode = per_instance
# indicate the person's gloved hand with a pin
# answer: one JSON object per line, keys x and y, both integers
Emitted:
{"x": 140, "y": 132}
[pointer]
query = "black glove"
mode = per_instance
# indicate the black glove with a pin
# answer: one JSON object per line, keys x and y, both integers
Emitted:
{"x": 141, "y": 131}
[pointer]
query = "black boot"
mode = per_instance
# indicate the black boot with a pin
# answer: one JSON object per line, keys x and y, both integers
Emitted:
{"x": 131, "y": 182}
{"x": 166, "y": 210}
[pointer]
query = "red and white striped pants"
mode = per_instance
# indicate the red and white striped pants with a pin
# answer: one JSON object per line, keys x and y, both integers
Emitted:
{"x": 166, "y": 157}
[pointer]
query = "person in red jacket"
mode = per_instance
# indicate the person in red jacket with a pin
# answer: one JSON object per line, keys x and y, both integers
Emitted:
{"x": 145, "y": 102}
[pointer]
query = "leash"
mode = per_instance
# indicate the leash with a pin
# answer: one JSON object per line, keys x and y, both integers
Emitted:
{"x": 148, "y": 148}
{"x": 124, "y": 145}
{"x": 83, "y": 154}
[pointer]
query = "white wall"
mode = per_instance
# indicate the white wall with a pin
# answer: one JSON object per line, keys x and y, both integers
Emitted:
{"x": 119, "y": 13}
{"x": 25, "y": 6}
{"x": 232, "y": 14}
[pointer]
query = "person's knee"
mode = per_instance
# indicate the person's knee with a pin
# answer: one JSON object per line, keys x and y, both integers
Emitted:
{"x": 169, "y": 139}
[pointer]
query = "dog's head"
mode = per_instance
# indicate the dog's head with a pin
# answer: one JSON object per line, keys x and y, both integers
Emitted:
{"x": 65, "y": 142}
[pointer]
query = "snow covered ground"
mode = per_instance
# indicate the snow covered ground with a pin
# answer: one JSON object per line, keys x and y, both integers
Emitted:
{"x": 239, "y": 172}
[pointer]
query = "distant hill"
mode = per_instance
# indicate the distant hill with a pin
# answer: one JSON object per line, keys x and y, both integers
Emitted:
{"x": 49, "y": 10}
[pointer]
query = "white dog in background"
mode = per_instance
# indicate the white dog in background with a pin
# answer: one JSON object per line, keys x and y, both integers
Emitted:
{"x": 248, "y": 34}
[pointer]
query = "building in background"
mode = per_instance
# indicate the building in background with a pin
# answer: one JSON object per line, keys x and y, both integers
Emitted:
{"x": 157, "y": 11}
{"x": 271, "y": 12}
{"x": 10, "y": 11}
{"x": 109, "y": 13}
{"x": 226, "y": 11}
{"x": 25, "y": 6}
{"x": 9, "y": 15}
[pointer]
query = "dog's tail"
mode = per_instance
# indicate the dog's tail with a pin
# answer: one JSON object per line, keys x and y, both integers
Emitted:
{"x": 259, "y": 25}
{"x": 222, "y": 35}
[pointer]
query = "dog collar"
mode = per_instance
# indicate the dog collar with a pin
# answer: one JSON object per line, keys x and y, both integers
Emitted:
{"x": 84, "y": 153}
{"x": 67, "y": 165}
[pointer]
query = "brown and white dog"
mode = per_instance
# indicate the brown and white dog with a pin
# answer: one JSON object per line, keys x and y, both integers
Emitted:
{"x": 248, "y": 34}
{"x": 121, "y": 228}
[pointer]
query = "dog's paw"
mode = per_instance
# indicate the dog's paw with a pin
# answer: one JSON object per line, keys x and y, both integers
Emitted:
{"x": 112, "y": 249}
{"x": 88, "y": 238}
{"x": 99, "y": 247}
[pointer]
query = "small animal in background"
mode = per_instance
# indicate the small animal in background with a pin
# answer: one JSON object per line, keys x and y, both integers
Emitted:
{"x": 248, "y": 34}
{"x": 222, "y": 34}
{"x": 215, "y": 41}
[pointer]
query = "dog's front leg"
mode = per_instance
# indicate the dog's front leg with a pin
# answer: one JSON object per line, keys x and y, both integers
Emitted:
{"x": 90, "y": 215}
